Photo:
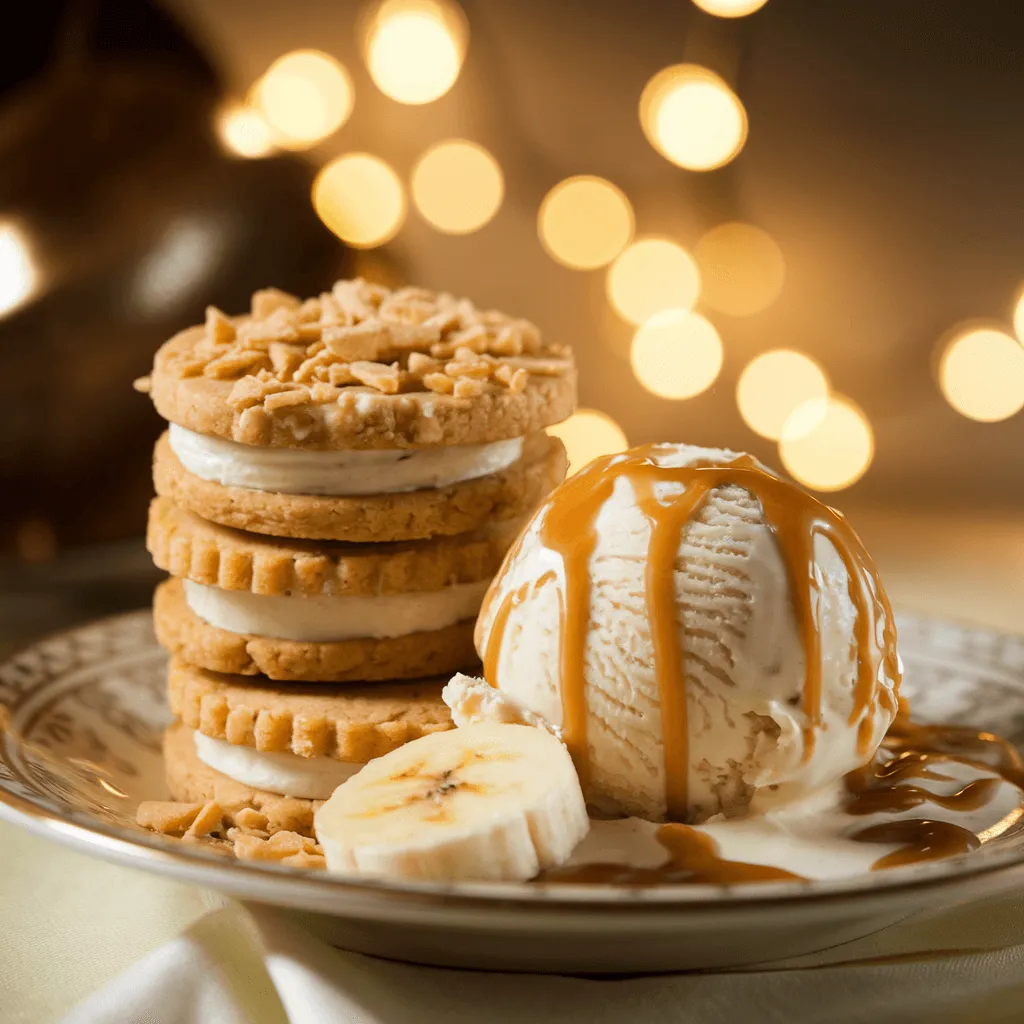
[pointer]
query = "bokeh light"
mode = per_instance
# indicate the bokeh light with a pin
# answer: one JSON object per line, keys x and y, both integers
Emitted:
{"x": 178, "y": 263}
{"x": 585, "y": 222}
{"x": 360, "y": 198}
{"x": 773, "y": 385}
{"x": 304, "y": 97}
{"x": 650, "y": 275}
{"x": 730, "y": 8}
{"x": 415, "y": 48}
{"x": 19, "y": 276}
{"x": 1018, "y": 316}
{"x": 827, "y": 444}
{"x": 676, "y": 354}
{"x": 981, "y": 374}
{"x": 741, "y": 269}
{"x": 457, "y": 186}
{"x": 692, "y": 117}
{"x": 587, "y": 435}
{"x": 244, "y": 131}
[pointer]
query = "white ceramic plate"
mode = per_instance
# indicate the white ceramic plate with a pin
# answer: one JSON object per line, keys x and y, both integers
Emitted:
{"x": 81, "y": 715}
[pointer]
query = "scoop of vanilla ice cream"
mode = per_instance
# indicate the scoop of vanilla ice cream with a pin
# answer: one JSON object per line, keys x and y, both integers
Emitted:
{"x": 744, "y": 659}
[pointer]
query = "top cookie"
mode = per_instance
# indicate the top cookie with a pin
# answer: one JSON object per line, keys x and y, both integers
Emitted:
{"x": 362, "y": 367}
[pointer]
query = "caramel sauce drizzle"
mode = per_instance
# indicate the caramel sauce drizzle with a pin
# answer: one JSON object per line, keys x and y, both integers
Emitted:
{"x": 894, "y": 799}
{"x": 693, "y": 860}
{"x": 568, "y": 528}
{"x": 957, "y": 742}
{"x": 920, "y": 840}
{"x": 915, "y": 751}
{"x": 880, "y": 786}
{"x": 493, "y": 650}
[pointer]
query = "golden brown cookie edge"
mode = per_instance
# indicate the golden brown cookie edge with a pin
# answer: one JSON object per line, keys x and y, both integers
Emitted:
{"x": 363, "y": 419}
{"x": 184, "y": 544}
{"x": 511, "y": 493}
{"x": 350, "y": 723}
{"x": 364, "y": 659}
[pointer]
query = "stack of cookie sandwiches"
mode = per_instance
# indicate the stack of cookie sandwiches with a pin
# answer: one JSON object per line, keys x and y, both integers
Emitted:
{"x": 340, "y": 480}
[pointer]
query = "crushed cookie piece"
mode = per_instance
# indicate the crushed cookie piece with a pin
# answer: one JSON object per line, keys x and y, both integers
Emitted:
{"x": 250, "y": 818}
{"x": 465, "y": 354}
{"x": 287, "y": 842}
{"x": 235, "y": 364}
{"x": 474, "y": 337}
{"x": 363, "y": 341}
{"x": 282, "y": 847}
{"x": 507, "y": 343}
{"x": 286, "y": 399}
{"x": 285, "y": 359}
{"x": 168, "y": 817}
{"x": 260, "y": 334}
{"x": 192, "y": 367}
{"x": 309, "y": 334}
{"x": 529, "y": 335}
{"x": 420, "y": 363}
{"x": 341, "y": 375}
{"x": 468, "y": 387}
{"x": 380, "y": 376}
{"x": 408, "y": 306}
{"x": 445, "y": 319}
{"x": 541, "y": 367}
{"x": 479, "y": 370}
{"x": 322, "y": 392}
{"x": 253, "y": 425}
{"x": 518, "y": 381}
{"x": 268, "y": 301}
{"x": 307, "y": 371}
{"x": 209, "y": 819}
{"x": 247, "y": 847}
{"x": 439, "y": 382}
{"x": 247, "y": 392}
{"x": 354, "y": 301}
{"x": 220, "y": 329}
{"x": 331, "y": 313}
{"x": 412, "y": 337}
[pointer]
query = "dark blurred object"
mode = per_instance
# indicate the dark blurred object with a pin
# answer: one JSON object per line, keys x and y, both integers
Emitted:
{"x": 134, "y": 221}
{"x": 85, "y": 583}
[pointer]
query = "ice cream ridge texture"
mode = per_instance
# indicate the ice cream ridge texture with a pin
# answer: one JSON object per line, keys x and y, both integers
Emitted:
{"x": 705, "y": 637}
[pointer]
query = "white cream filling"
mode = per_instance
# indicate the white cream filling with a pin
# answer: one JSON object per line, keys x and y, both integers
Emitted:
{"x": 312, "y": 778}
{"x": 322, "y": 619}
{"x": 339, "y": 473}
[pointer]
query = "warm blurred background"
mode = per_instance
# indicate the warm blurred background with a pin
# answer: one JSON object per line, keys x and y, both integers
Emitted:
{"x": 786, "y": 226}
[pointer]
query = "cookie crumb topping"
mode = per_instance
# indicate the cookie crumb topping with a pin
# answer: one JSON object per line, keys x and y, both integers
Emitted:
{"x": 287, "y": 848}
{"x": 287, "y": 353}
{"x": 273, "y": 832}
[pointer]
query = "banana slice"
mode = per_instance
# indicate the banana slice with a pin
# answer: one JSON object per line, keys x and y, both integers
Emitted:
{"x": 487, "y": 802}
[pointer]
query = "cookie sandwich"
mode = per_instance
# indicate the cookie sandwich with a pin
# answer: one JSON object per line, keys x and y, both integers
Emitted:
{"x": 362, "y": 415}
{"x": 341, "y": 477}
{"x": 291, "y": 610}
{"x": 248, "y": 763}
{"x": 340, "y": 480}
